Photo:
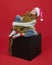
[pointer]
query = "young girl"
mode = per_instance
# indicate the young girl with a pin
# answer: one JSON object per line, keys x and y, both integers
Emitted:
{"x": 26, "y": 22}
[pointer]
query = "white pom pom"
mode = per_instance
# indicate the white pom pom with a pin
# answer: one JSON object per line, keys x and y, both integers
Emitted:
{"x": 41, "y": 19}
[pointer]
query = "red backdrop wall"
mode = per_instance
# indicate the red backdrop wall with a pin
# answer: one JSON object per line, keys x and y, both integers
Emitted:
{"x": 10, "y": 8}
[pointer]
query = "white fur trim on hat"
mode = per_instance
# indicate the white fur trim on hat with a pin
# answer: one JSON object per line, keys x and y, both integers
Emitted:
{"x": 37, "y": 9}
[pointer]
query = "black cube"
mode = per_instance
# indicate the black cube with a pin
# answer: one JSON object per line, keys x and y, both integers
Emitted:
{"x": 27, "y": 47}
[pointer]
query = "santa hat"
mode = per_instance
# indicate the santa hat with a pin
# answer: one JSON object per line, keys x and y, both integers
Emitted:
{"x": 39, "y": 12}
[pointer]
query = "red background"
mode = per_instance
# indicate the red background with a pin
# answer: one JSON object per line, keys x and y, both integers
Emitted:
{"x": 8, "y": 10}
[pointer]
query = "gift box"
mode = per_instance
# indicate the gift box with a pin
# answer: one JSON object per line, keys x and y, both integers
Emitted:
{"x": 26, "y": 47}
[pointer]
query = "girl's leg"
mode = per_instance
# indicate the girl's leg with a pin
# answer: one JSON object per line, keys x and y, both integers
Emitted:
{"x": 16, "y": 35}
{"x": 12, "y": 33}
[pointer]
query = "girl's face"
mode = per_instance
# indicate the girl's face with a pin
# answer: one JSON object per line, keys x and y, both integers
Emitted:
{"x": 33, "y": 12}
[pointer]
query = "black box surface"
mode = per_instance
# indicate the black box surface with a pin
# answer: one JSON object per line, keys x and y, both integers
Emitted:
{"x": 27, "y": 47}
